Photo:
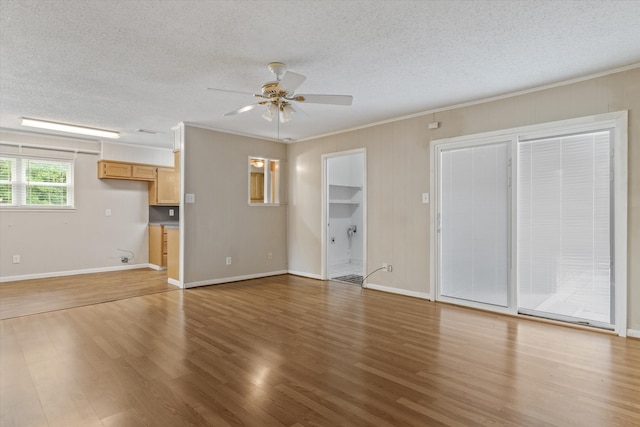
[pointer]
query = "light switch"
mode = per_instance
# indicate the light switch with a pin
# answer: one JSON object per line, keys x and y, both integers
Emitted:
{"x": 107, "y": 212}
{"x": 425, "y": 197}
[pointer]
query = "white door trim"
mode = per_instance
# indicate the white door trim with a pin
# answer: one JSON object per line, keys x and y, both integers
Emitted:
{"x": 325, "y": 208}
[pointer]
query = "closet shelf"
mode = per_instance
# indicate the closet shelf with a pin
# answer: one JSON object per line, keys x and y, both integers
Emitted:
{"x": 356, "y": 187}
{"x": 344, "y": 202}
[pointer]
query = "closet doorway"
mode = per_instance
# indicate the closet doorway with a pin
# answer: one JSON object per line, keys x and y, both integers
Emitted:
{"x": 344, "y": 213}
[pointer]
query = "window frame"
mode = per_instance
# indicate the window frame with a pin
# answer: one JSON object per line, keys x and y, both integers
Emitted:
{"x": 272, "y": 181}
{"x": 19, "y": 183}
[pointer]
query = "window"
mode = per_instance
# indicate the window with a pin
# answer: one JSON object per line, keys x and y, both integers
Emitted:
{"x": 35, "y": 182}
{"x": 7, "y": 179}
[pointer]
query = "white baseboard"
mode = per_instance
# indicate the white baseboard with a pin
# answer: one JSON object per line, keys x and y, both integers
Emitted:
{"x": 157, "y": 267}
{"x": 73, "y": 272}
{"x": 233, "y": 279}
{"x": 398, "y": 291}
{"x": 174, "y": 282}
{"x": 633, "y": 333}
{"x": 309, "y": 275}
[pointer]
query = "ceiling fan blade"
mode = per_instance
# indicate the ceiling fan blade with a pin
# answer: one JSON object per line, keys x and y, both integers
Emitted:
{"x": 243, "y": 109}
{"x": 233, "y": 91}
{"x": 324, "y": 99}
{"x": 290, "y": 82}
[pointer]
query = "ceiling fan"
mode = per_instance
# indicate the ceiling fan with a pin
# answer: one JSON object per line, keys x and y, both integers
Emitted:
{"x": 279, "y": 95}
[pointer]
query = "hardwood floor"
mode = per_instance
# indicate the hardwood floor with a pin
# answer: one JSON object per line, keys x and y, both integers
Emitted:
{"x": 290, "y": 351}
{"x": 27, "y": 297}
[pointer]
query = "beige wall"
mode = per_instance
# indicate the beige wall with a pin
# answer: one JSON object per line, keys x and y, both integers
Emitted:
{"x": 398, "y": 172}
{"x": 67, "y": 241}
{"x": 221, "y": 223}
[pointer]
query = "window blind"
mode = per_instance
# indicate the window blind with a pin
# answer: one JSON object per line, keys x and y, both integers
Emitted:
{"x": 564, "y": 225}
{"x": 474, "y": 224}
{"x": 36, "y": 182}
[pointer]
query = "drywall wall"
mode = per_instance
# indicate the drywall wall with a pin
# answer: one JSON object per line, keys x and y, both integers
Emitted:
{"x": 53, "y": 242}
{"x": 137, "y": 154}
{"x": 221, "y": 223}
{"x": 398, "y": 172}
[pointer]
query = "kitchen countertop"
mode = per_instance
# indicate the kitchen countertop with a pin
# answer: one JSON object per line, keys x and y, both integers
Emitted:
{"x": 166, "y": 223}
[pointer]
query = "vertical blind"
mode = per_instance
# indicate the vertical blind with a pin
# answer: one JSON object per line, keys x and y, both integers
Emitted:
{"x": 564, "y": 226}
{"x": 474, "y": 224}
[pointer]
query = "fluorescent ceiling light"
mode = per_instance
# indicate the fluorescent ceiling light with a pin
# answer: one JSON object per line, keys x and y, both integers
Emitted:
{"x": 70, "y": 128}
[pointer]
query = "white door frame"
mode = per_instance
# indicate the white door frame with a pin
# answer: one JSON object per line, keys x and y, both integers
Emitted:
{"x": 437, "y": 148}
{"x": 325, "y": 209}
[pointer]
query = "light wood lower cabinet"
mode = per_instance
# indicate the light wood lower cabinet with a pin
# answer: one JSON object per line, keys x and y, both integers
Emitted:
{"x": 173, "y": 253}
{"x": 158, "y": 245}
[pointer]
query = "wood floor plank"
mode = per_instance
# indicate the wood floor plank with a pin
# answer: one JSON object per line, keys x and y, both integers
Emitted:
{"x": 26, "y": 297}
{"x": 291, "y": 351}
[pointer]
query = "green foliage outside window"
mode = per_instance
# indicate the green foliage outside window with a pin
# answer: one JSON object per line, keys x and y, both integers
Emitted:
{"x": 35, "y": 182}
{"x": 48, "y": 173}
{"x": 6, "y": 195}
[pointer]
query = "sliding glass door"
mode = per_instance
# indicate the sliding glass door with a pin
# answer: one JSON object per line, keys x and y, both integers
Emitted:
{"x": 533, "y": 221}
{"x": 474, "y": 223}
{"x": 564, "y": 228}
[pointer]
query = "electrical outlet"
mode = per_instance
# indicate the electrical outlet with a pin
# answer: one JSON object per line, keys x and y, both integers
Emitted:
{"x": 389, "y": 268}
{"x": 171, "y": 212}
{"x": 228, "y": 260}
{"x": 385, "y": 267}
{"x": 16, "y": 259}
{"x": 270, "y": 255}
{"x": 107, "y": 212}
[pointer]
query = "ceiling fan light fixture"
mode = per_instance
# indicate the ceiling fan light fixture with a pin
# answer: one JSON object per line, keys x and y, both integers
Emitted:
{"x": 270, "y": 112}
{"x": 287, "y": 112}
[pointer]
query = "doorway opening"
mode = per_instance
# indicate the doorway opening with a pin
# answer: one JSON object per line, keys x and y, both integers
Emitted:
{"x": 344, "y": 212}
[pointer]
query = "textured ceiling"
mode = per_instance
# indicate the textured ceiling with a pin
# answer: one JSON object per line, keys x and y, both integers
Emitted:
{"x": 126, "y": 65}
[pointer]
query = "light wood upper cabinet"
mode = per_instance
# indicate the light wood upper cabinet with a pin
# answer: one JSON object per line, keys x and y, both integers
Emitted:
{"x": 164, "y": 182}
{"x": 165, "y": 189}
{"x": 109, "y": 169}
{"x": 114, "y": 170}
{"x": 145, "y": 172}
